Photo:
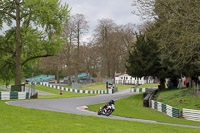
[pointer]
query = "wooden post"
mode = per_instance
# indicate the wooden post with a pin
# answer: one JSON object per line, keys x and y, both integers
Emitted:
{"x": 197, "y": 89}
{"x": 37, "y": 95}
{"x": 190, "y": 84}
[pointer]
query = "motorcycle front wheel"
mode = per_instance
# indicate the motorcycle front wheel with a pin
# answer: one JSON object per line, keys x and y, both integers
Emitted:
{"x": 99, "y": 112}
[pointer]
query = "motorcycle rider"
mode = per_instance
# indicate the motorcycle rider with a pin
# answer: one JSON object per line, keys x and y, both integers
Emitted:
{"x": 105, "y": 109}
{"x": 112, "y": 104}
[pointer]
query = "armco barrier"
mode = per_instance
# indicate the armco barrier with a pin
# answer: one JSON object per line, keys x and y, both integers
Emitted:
{"x": 139, "y": 90}
{"x": 191, "y": 114}
{"x": 13, "y": 95}
{"x": 73, "y": 90}
{"x": 164, "y": 108}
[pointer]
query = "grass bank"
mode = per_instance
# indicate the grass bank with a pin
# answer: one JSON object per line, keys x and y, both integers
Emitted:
{"x": 22, "y": 120}
{"x": 180, "y": 98}
{"x": 132, "y": 107}
{"x": 147, "y": 85}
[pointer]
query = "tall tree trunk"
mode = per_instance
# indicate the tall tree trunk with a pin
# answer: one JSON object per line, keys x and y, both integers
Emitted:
{"x": 108, "y": 69}
{"x": 104, "y": 41}
{"x": 58, "y": 75}
{"x": 162, "y": 84}
{"x": 77, "y": 63}
{"x": 69, "y": 74}
{"x": 18, "y": 45}
{"x": 69, "y": 61}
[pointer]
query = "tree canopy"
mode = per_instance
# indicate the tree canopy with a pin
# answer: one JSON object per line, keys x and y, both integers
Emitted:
{"x": 176, "y": 32}
{"x": 34, "y": 32}
{"x": 144, "y": 58}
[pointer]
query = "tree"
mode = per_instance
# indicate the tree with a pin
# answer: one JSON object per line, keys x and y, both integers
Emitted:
{"x": 25, "y": 42}
{"x": 103, "y": 37}
{"x": 80, "y": 28}
{"x": 52, "y": 65}
{"x": 176, "y": 32}
{"x": 68, "y": 36}
{"x": 181, "y": 44}
{"x": 128, "y": 37}
{"x": 144, "y": 60}
{"x": 114, "y": 42}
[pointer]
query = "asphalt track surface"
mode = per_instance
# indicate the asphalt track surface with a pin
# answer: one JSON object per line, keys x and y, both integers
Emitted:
{"x": 76, "y": 105}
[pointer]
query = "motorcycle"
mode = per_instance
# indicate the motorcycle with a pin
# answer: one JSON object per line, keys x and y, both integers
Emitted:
{"x": 107, "y": 109}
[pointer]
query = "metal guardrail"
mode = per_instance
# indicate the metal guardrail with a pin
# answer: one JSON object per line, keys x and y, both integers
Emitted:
{"x": 74, "y": 90}
{"x": 191, "y": 114}
{"x": 13, "y": 95}
{"x": 164, "y": 108}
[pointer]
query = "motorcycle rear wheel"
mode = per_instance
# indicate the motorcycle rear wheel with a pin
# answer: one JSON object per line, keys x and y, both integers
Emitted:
{"x": 109, "y": 112}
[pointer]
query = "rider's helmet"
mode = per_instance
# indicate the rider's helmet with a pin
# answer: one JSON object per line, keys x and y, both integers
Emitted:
{"x": 112, "y": 102}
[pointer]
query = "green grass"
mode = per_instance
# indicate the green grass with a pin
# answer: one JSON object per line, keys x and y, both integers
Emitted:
{"x": 180, "y": 98}
{"x": 132, "y": 107}
{"x": 99, "y": 86}
{"x": 94, "y": 86}
{"x": 66, "y": 86}
{"x": 25, "y": 120}
{"x": 65, "y": 94}
{"x": 122, "y": 87}
{"x": 147, "y": 85}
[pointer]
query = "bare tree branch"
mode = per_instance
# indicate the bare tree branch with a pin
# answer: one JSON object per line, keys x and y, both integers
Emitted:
{"x": 35, "y": 57}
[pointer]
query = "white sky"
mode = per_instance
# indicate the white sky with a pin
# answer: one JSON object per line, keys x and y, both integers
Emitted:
{"x": 94, "y": 10}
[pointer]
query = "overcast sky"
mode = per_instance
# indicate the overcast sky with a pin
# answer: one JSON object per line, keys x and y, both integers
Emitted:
{"x": 94, "y": 10}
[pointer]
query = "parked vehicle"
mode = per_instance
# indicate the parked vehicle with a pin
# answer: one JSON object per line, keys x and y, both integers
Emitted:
{"x": 107, "y": 109}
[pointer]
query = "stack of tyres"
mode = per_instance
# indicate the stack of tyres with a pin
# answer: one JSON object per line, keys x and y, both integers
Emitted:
{"x": 147, "y": 95}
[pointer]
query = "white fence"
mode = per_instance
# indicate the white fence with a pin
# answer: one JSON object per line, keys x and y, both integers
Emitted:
{"x": 191, "y": 114}
{"x": 135, "y": 81}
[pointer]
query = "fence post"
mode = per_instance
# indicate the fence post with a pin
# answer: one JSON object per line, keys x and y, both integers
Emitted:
{"x": 180, "y": 113}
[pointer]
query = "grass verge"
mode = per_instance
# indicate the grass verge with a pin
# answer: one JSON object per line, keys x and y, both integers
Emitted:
{"x": 22, "y": 120}
{"x": 94, "y": 86}
{"x": 65, "y": 94}
{"x": 122, "y": 87}
{"x": 99, "y": 86}
{"x": 132, "y": 107}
